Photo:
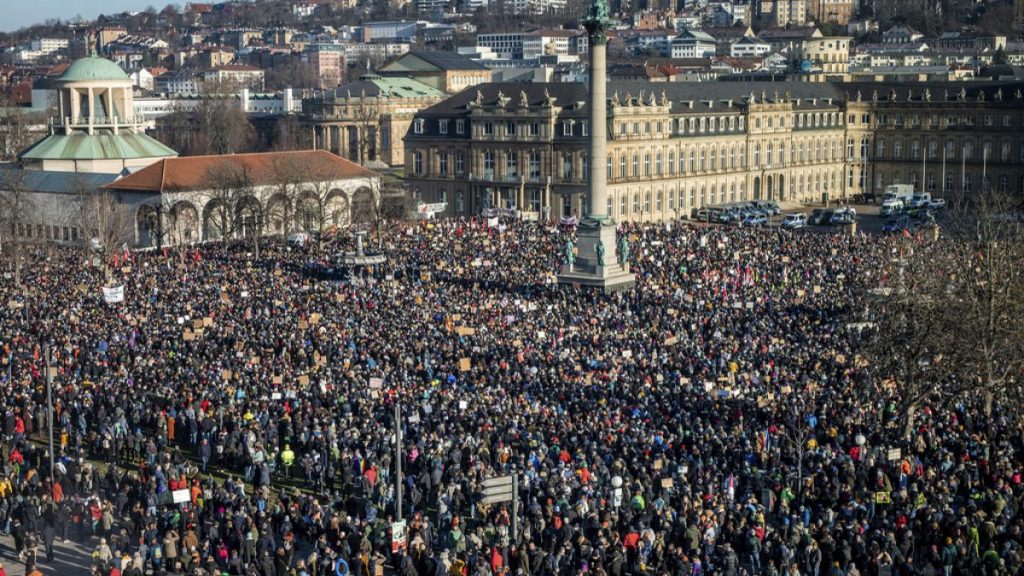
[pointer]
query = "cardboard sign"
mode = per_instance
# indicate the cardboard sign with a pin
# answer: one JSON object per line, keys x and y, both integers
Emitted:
{"x": 303, "y": 325}
{"x": 197, "y": 324}
{"x": 671, "y": 341}
{"x": 666, "y": 483}
{"x": 277, "y": 380}
{"x": 189, "y": 336}
{"x": 465, "y": 331}
{"x": 894, "y": 454}
{"x": 314, "y": 318}
{"x": 883, "y": 498}
{"x": 208, "y": 321}
{"x": 304, "y": 380}
{"x": 227, "y": 374}
{"x": 464, "y": 365}
{"x": 376, "y": 383}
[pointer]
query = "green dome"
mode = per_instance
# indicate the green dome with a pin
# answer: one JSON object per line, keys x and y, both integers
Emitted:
{"x": 93, "y": 68}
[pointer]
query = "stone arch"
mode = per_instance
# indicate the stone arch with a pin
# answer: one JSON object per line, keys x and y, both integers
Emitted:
{"x": 307, "y": 212}
{"x": 277, "y": 213}
{"x": 147, "y": 226}
{"x": 184, "y": 223}
{"x": 364, "y": 207}
{"x": 217, "y": 219}
{"x": 337, "y": 210}
{"x": 248, "y": 217}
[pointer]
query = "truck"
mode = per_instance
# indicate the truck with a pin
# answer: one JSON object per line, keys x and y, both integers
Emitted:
{"x": 902, "y": 193}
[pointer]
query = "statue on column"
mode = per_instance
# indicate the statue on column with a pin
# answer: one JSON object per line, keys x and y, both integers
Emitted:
{"x": 624, "y": 251}
{"x": 599, "y": 249}
{"x": 570, "y": 253}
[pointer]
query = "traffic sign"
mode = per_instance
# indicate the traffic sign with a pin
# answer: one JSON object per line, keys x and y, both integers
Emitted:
{"x": 497, "y": 489}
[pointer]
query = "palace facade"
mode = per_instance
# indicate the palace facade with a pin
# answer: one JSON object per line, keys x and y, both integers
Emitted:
{"x": 674, "y": 147}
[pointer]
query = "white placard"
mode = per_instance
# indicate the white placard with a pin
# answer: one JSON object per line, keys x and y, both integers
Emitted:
{"x": 181, "y": 496}
{"x": 113, "y": 294}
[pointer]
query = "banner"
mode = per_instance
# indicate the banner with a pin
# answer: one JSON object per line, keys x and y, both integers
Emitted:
{"x": 113, "y": 294}
{"x": 492, "y": 222}
{"x": 398, "y": 537}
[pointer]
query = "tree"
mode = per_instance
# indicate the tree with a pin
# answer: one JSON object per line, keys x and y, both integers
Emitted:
{"x": 17, "y": 215}
{"x": 228, "y": 195}
{"x": 107, "y": 225}
{"x": 15, "y": 128}
{"x": 319, "y": 207}
{"x": 983, "y": 249}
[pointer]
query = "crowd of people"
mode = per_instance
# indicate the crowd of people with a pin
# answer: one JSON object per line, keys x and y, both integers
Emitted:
{"x": 235, "y": 415}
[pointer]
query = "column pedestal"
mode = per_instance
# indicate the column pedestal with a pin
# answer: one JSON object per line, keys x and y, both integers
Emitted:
{"x": 587, "y": 271}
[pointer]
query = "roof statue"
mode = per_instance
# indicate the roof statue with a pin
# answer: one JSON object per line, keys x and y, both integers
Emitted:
{"x": 751, "y": 98}
{"x": 963, "y": 93}
{"x": 945, "y": 94}
{"x": 874, "y": 95}
{"x": 1017, "y": 94}
{"x": 789, "y": 97}
{"x": 910, "y": 94}
{"x": 775, "y": 97}
{"x": 652, "y": 99}
{"x": 524, "y": 102}
{"x": 858, "y": 96}
{"x": 927, "y": 95}
{"x": 479, "y": 98}
{"x": 664, "y": 98}
{"x": 892, "y": 95}
{"x": 549, "y": 100}
{"x": 615, "y": 98}
{"x": 999, "y": 95}
{"x": 640, "y": 98}
{"x": 981, "y": 95}
{"x": 502, "y": 99}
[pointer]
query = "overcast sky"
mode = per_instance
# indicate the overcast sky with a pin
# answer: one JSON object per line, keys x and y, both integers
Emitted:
{"x": 16, "y": 14}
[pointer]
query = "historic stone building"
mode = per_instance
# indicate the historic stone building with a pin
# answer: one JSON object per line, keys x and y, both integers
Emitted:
{"x": 365, "y": 121}
{"x": 675, "y": 147}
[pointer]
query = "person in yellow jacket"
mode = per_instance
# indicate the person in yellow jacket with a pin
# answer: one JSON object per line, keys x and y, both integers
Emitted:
{"x": 287, "y": 459}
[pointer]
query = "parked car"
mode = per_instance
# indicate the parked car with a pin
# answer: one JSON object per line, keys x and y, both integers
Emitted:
{"x": 937, "y": 203}
{"x": 794, "y": 221}
{"x": 819, "y": 216}
{"x": 770, "y": 208}
{"x": 843, "y": 216}
{"x": 298, "y": 239}
{"x": 755, "y": 220}
{"x": 897, "y": 224}
{"x": 890, "y": 207}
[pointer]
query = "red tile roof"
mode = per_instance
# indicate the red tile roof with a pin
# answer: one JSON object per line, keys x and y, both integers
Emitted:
{"x": 189, "y": 173}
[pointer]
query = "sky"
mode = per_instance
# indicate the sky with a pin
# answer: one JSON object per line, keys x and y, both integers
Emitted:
{"x": 16, "y": 14}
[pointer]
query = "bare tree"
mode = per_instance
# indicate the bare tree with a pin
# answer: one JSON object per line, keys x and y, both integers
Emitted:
{"x": 17, "y": 214}
{"x": 911, "y": 339}
{"x": 983, "y": 251}
{"x": 15, "y": 128}
{"x": 227, "y": 188}
{"x": 107, "y": 224}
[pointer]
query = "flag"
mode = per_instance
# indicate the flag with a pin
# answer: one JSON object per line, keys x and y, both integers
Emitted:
{"x": 906, "y": 233}
{"x": 767, "y": 441}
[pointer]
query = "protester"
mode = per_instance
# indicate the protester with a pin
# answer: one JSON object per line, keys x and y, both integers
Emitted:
{"x": 237, "y": 415}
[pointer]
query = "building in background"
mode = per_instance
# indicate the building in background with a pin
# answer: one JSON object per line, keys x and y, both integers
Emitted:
{"x": 366, "y": 120}
{"x": 674, "y": 147}
{"x": 445, "y": 71}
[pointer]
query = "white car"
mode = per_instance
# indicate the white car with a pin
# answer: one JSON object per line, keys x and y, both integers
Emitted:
{"x": 298, "y": 239}
{"x": 843, "y": 216}
{"x": 937, "y": 204}
{"x": 794, "y": 221}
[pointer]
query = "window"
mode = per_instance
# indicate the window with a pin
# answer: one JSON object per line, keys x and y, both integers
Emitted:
{"x": 535, "y": 166}
{"x": 672, "y": 162}
{"x": 693, "y": 160}
{"x": 732, "y": 157}
{"x": 534, "y": 129}
{"x": 622, "y": 129}
{"x": 714, "y": 158}
{"x": 583, "y": 125}
{"x": 511, "y": 166}
{"x": 636, "y": 165}
{"x": 489, "y": 165}
{"x": 417, "y": 162}
{"x": 968, "y": 152}
{"x": 417, "y": 126}
{"x": 566, "y": 168}
{"x": 636, "y": 203}
{"x": 622, "y": 205}
{"x": 671, "y": 201}
{"x": 757, "y": 155}
{"x": 611, "y": 205}
{"x": 647, "y": 202}
{"x": 459, "y": 201}
{"x": 657, "y": 163}
{"x": 567, "y": 128}
{"x": 622, "y": 167}
{"x": 849, "y": 148}
{"x": 510, "y": 129}
{"x": 488, "y": 128}
{"x": 1004, "y": 152}
{"x": 460, "y": 126}
{"x": 609, "y": 170}
{"x": 460, "y": 163}
{"x": 647, "y": 127}
{"x": 442, "y": 163}
{"x": 768, "y": 156}
{"x": 863, "y": 148}
{"x": 647, "y": 165}
{"x": 915, "y": 150}
{"x": 636, "y": 128}
{"x": 442, "y": 126}
{"x": 897, "y": 149}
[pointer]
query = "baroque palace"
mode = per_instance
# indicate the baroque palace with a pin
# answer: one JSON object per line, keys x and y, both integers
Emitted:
{"x": 674, "y": 147}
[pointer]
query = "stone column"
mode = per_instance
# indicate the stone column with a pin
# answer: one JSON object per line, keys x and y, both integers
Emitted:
{"x": 597, "y": 189}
